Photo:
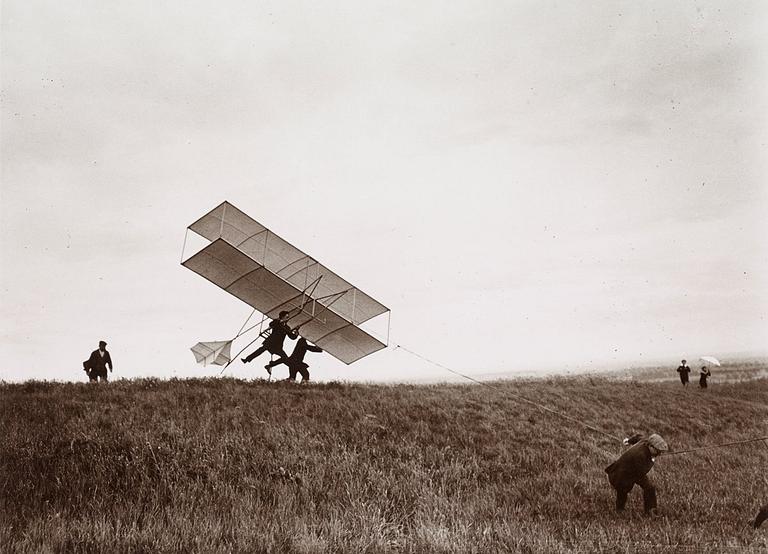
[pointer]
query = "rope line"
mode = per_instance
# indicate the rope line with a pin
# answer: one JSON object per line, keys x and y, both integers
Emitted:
{"x": 570, "y": 418}
{"x": 521, "y": 398}
{"x": 714, "y": 446}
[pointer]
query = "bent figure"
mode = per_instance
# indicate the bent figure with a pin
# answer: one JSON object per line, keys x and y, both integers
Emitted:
{"x": 96, "y": 366}
{"x": 631, "y": 469}
{"x": 683, "y": 370}
{"x": 274, "y": 341}
{"x": 295, "y": 361}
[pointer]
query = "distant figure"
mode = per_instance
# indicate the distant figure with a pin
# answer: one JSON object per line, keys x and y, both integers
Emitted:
{"x": 274, "y": 341}
{"x": 762, "y": 515}
{"x": 703, "y": 374}
{"x": 295, "y": 361}
{"x": 96, "y": 366}
{"x": 683, "y": 370}
{"x": 631, "y": 467}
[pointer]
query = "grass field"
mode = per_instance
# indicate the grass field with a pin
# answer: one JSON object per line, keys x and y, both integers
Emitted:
{"x": 235, "y": 466}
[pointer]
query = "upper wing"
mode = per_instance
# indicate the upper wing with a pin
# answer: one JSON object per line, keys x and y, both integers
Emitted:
{"x": 252, "y": 263}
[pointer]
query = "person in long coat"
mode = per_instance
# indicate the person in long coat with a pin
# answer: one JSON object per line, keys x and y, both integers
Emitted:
{"x": 703, "y": 374}
{"x": 632, "y": 468}
{"x": 96, "y": 366}
{"x": 683, "y": 370}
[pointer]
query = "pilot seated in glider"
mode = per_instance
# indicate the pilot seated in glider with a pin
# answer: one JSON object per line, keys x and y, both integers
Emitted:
{"x": 295, "y": 361}
{"x": 274, "y": 341}
{"x": 631, "y": 467}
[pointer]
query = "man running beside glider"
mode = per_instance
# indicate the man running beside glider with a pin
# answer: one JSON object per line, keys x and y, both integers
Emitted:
{"x": 273, "y": 344}
{"x": 295, "y": 361}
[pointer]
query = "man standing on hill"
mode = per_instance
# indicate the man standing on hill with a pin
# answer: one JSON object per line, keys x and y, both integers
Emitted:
{"x": 96, "y": 365}
{"x": 684, "y": 370}
{"x": 631, "y": 469}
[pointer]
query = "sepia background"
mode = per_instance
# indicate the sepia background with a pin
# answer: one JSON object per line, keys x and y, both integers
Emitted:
{"x": 528, "y": 186}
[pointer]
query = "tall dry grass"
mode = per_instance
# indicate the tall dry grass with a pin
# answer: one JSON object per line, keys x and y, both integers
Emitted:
{"x": 234, "y": 466}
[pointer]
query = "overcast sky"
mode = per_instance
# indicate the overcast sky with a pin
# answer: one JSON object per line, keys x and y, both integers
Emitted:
{"x": 527, "y": 185}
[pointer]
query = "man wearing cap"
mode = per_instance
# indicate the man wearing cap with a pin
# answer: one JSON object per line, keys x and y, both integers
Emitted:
{"x": 684, "y": 370}
{"x": 632, "y": 467}
{"x": 96, "y": 365}
{"x": 274, "y": 342}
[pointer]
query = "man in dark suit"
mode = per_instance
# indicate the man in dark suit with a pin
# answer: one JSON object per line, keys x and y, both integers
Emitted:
{"x": 295, "y": 361}
{"x": 96, "y": 365}
{"x": 273, "y": 343}
{"x": 631, "y": 469}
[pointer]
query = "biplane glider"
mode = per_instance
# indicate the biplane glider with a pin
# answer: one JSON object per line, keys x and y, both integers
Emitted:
{"x": 271, "y": 275}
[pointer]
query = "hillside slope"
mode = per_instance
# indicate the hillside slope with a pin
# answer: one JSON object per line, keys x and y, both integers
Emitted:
{"x": 226, "y": 465}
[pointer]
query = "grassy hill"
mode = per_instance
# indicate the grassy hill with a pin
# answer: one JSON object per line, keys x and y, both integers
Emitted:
{"x": 234, "y": 466}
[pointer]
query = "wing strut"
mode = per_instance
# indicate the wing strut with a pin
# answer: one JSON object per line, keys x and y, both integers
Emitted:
{"x": 304, "y": 295}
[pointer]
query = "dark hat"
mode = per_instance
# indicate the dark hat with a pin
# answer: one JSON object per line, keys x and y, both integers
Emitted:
{"x": 282, "y": 314}
{"x": 102, "y": 343}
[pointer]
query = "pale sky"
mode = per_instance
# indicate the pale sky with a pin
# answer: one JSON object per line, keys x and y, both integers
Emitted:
{"x": 526, "y": 185}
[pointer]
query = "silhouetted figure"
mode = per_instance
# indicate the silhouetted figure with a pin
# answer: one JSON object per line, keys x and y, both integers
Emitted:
{"x": 683, "y": 370}
{"x": 703, "y": 374}
{"x": 762, "y": 515}
{"x": 295, "y": 361}
{"x": 631, "y": 469}
{"x": 274, "y": 342}
{"x": 96, "y": 366}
